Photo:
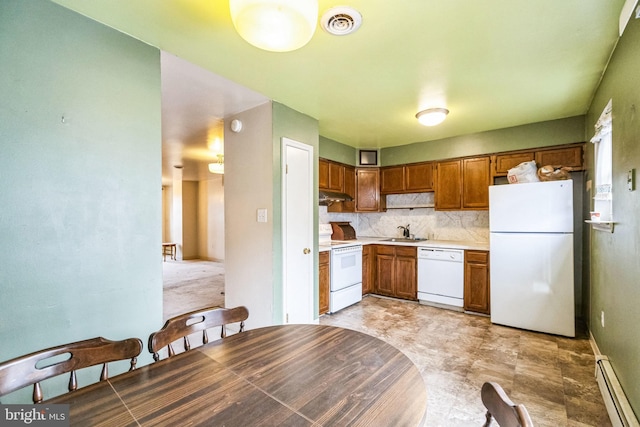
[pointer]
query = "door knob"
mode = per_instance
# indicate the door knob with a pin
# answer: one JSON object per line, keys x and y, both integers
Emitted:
{"x": 306, "y": 251}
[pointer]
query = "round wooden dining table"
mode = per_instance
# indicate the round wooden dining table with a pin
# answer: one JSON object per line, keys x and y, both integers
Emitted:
{"x": 288, "y": 375}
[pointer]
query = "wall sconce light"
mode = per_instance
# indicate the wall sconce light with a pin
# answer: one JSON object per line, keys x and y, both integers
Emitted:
{"x": 275, "y": 25}
{"x": 217, "y": 167}
{"x": 432, "y": 116}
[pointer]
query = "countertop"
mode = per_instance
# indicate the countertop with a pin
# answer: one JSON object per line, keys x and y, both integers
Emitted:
{"x": 449, "y": 244}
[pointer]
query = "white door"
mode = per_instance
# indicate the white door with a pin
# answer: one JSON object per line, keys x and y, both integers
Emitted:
{"x": 297, "y": 229}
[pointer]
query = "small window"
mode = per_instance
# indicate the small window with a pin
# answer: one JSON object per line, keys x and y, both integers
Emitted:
{"x": 602, "y": 145}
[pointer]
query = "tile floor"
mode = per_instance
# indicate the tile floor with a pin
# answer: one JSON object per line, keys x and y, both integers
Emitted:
{"x": 456, "y": 353}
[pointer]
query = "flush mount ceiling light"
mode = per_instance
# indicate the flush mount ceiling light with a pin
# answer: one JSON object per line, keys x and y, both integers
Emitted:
{"x": 432, "y": 116}
{"x": 217, "y": 167}
{"x": 275, "y": 25}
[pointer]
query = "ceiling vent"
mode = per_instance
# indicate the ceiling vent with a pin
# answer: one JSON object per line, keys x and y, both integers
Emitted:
{"x": 341, "y": 21}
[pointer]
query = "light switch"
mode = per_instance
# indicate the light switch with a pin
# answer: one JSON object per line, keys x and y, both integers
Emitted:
{"x": 262, "y": 215}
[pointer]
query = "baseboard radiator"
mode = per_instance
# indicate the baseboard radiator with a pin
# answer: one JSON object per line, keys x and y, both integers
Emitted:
{"x": 618, "y": 407}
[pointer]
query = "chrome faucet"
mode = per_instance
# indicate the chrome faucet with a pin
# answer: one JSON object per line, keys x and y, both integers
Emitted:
{"x": 405, "y": 231}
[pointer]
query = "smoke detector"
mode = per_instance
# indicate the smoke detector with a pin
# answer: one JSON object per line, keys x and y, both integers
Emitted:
{"x": 341, "y": 20}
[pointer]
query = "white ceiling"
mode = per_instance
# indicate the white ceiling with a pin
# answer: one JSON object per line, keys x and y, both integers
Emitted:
{"x": 194, "y": 103}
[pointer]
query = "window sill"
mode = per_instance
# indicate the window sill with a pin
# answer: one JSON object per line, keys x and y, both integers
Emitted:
{"x": 601, "y": 225}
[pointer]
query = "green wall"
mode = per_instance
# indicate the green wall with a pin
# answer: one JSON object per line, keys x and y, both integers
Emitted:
{"x": 333, "y": 150}
{"x": 543, "y": 134}
{"x": 80, "y": 197}
{"x": 291, "y": 124}
{"x": 615, "y": 264}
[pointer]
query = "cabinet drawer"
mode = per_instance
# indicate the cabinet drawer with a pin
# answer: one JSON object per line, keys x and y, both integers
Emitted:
{"x": 406, "y": 251}
{"x": 385, "y": 249}
{"x": 480, "y": 257}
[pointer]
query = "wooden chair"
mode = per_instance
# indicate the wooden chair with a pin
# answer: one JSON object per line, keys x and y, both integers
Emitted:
{"x": 200, "y": 320}
{"x": 33, "y": 368}
{"x": 502, "y": 409}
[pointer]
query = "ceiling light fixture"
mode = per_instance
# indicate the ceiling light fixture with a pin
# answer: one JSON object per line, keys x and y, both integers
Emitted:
{"x": 275, "y": 25}
{"x": 432, "y": 116}
{"x": 217, "y": 167}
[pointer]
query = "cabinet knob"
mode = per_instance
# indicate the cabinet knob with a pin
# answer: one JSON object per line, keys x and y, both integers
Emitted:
{"x": 306, "y": 251}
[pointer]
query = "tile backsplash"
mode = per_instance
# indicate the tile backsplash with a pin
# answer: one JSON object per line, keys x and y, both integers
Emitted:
{"x": 424, "y": 221}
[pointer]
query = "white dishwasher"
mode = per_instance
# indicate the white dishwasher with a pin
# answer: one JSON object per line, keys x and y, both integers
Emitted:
{"x": 441, "y": 276}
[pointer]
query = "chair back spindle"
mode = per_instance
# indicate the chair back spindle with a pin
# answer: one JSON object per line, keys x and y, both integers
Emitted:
{"x": 36, "y": 367}
{"x": 180, "y": 327}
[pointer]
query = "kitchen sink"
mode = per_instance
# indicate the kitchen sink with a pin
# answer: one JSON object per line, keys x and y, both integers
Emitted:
{"x": 404, "y": 240}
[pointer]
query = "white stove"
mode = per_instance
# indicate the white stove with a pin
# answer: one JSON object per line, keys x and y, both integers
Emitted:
{"x": 346, "y": 270}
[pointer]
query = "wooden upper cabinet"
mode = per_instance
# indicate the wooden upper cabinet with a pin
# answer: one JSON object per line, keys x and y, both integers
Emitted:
{"x": 323, "y": 174}
{"x": 419, "y": 177}
{"x": 392, "y": 180}
{"x": 448, "y": 185}
{"x": 463, "y": 184}
{"x": 368, "y": 190}
{"x": 350, "y": 189}
{"x": 568, "y": 156}
{"x": 475, "y": 183}
{"x": 504, "y": 162}
{"x": 411, "y": 178}
{"x": 330, "y": 176}
{"x": 336, "y": 177}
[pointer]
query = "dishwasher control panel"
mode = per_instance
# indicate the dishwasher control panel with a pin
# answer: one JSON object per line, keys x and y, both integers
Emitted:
{"x": 455, "y": 255}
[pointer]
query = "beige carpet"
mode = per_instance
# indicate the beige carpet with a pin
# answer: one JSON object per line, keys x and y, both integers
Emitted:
{"x": 191, "y": 285}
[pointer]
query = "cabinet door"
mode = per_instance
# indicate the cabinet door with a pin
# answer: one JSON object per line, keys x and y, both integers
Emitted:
{"x": 419, "y": 177}
{"x": 406, "y": 285}
{"x": 392, "y": 180}
{"x": 368, "y": 254}
{"x": 569, "y": 156}
{"x": 384, "y": 270}
{"x": 475, "y": 184}
{"x": 476, "y": 282}
{"x": 324, "y": 282}
{"x": 350, "y": 189}
{"x": 336, "y": 177}
{"x": 368, "y": 190}
{"x": 323, "y": 174}
{"x": 448, "y": 185}
{"x": 504, "y": 162}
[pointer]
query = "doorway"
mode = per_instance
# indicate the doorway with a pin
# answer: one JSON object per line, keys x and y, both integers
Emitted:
{"x": 297, "y": 220}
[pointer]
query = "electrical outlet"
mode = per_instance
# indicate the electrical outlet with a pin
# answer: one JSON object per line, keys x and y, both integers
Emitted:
{"x": 602, "y": 318}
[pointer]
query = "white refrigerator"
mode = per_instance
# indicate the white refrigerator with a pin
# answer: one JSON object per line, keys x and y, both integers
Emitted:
{"x": 531, "y": 256}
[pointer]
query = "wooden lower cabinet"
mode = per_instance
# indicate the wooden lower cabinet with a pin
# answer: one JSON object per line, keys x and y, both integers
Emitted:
{"x": 476, "y": 282}
{"x": 367, "y": 269}
{"x": 324, "y": 282}
{"x": 396, "y": 271}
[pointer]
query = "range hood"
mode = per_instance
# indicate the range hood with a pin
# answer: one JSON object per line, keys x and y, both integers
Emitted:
{"x": 325, "y": 198}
